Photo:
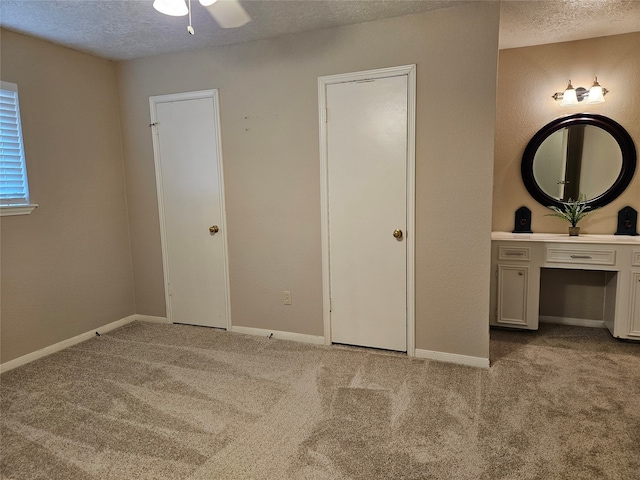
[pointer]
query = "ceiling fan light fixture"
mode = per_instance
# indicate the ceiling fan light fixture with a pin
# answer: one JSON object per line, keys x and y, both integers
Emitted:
{"x": 207, "y": 3}
{"x": 175, "y": 8}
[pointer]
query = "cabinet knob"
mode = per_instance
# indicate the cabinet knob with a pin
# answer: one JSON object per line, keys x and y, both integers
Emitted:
{"x": 213, "y": 229}
{"x": 397, "y": 233}
{"x": 520, "y": 273}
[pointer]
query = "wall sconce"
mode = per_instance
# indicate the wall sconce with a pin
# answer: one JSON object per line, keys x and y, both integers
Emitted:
{"x": 571, "y": 96}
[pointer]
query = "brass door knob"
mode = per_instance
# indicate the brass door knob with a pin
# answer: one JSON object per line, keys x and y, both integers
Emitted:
{"x": 397, "y": 233}
{"x": 213, "y": 229}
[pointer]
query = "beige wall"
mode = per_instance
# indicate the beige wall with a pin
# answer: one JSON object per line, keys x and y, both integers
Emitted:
{"x": 527, "y": 77}
{"x": 66, "y": 268}
{"x": 269, "y": 122}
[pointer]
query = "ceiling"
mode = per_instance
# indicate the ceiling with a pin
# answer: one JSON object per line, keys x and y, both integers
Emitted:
{"x": 127, "y": 29}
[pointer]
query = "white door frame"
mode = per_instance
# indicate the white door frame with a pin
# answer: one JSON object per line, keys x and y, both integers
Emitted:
{"x": 323, "y": 82}
{"x": 176, "y": 97}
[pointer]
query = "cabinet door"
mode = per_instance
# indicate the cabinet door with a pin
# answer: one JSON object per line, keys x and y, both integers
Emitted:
{"x": 513, "y": 284}
{"x": 634, "y": 321}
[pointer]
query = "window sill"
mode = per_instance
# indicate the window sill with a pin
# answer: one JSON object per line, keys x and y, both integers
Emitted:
{"x": 7, "y": 210}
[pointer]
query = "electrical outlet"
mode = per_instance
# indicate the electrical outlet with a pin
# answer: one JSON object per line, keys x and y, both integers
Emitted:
{"x": 286, "y": 297}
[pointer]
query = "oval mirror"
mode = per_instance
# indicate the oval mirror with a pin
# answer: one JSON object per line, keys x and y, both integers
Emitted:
{"x": 579, "y": 155}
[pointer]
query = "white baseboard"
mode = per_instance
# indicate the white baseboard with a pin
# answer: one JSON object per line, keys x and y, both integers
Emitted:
{"x": 453, "y": 358}
{"x": 149, "y": 318}
{"x": 576, "y": 322}
{"x": 261, "y": 332}
{"x": 319, "y": 340}
{"x": 56, "y": 347}
{"x": 296, "y": 337}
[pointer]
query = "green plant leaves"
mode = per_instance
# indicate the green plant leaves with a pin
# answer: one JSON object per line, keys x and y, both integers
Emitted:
{"x": 573, "y": 211}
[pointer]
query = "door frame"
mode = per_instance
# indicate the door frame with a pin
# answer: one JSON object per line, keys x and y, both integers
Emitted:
{"x": 410, "y": 72}
{"x": 176, "y": 97}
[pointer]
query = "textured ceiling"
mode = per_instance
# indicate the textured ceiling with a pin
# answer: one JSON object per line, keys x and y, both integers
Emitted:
{"x": 524, "y": 23}
{"x": 126, "y": 29}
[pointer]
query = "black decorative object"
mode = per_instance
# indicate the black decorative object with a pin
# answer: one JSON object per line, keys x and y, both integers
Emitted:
{"x": 619, "y": 134}
{"x": 627, "y": 222}
{"x": 523, "y": 221}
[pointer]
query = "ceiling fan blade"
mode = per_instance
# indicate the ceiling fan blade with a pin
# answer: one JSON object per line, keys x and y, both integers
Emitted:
{"x": 229, "y": 13}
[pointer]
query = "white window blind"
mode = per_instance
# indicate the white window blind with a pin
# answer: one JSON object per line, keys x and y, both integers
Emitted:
{"x": 14, "y": 189}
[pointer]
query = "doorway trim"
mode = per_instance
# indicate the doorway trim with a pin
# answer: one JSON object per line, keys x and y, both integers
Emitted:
{"x": 176, "y": 97}
{"x": 410, "y": 72}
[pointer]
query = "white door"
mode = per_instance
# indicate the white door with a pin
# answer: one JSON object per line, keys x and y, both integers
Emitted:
{"x": 191, "y": 201}
{"x": 366, "y": 155}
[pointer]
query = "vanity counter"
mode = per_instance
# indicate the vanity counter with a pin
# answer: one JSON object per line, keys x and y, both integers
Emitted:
{"x": 517, "y": 260}
{"x": 565, "y": 238}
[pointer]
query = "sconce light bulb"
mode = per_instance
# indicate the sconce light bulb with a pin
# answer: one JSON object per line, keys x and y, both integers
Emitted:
{"x": 596, "y": 93}
{"x": 569, "y": 96}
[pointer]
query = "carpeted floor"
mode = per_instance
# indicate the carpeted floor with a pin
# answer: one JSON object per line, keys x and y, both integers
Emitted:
{"x": 178, "y": 402}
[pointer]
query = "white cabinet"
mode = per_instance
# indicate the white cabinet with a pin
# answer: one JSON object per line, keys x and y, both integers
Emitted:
{"x": 514, "y": 295}
{"x": 517, "y": 259}
{"x": 634, "y": 311}
{"x": 513, "y": 282}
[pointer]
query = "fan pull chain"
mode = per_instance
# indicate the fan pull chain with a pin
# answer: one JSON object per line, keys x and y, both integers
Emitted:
{"x": 190, "y": 28}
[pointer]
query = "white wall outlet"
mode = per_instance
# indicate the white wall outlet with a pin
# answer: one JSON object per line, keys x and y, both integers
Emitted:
{"x": 286, "y": 297}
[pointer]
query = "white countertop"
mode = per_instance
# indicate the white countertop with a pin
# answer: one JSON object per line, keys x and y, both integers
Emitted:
{"x": 565, "y": 238}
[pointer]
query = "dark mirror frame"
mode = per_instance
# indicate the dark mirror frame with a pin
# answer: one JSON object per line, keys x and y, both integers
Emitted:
{"x": 616, "y": 130}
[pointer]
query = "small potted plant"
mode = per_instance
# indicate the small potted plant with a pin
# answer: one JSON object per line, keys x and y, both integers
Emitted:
{"x": 573, "y": 212}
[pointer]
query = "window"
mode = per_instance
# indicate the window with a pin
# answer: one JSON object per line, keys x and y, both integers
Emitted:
{"x": 14, "y": 188}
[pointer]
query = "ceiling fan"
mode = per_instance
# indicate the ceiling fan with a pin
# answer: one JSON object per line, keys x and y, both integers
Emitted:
{"x": 227, "y": 13}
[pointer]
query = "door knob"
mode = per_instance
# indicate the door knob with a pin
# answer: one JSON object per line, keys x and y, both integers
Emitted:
{"x": 397, "y": 233}
{"x": 213, "y": 229}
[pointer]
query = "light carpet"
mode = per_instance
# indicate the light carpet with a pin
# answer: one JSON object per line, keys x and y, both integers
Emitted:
{"x": 152, "y": 401}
